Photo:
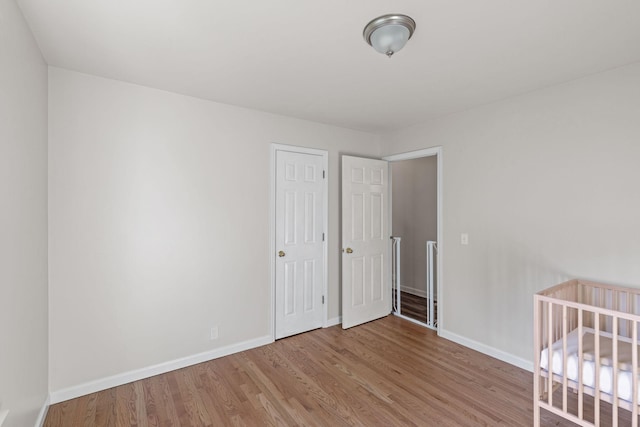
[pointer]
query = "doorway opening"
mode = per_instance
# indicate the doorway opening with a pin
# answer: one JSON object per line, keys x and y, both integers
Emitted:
{"x": 416, "y": 233}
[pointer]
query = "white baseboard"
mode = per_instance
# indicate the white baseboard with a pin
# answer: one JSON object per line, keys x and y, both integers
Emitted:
{"x": 333, "y": 321}
{"x": 413, "y": 291}
{"x": 161, "y": 368}
{"x": 488, "y": 350}
{"x": 43, "y": 412}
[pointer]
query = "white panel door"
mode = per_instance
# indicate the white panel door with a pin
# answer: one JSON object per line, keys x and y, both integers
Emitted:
{"x": 299, "y": 242}
{"x": 366, "y": 281}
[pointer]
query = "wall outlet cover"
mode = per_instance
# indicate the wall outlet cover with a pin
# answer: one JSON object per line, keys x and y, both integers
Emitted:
{"x": 464, "y": 239}
{"x": 214, "y": 332}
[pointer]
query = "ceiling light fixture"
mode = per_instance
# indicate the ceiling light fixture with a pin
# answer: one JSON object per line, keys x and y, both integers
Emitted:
{"x": 389, "y": 33}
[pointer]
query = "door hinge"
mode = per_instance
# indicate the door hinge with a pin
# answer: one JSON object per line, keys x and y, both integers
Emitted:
{"x": 323, "y": 299}
{"x": 323, "y": 237}
{"x": 323, "y": 175}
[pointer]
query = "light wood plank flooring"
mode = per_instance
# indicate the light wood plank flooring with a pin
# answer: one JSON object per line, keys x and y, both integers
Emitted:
{"x": 390, "y": 372}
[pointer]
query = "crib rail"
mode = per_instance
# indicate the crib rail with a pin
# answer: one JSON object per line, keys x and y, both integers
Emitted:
{"x": 604, "y": 321}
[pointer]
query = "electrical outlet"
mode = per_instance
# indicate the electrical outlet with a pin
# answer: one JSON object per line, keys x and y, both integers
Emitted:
{"x": 214, "y": 332}
{"x": 464, "y": 239}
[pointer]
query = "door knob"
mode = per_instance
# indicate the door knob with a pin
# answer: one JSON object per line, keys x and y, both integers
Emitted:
{"x": 349, "y": 250}
{"x": 281, "y": 254}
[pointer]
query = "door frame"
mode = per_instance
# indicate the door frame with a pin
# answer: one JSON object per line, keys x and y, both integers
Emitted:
{"x": 275, "y": 147}
{"x": 427, "y": 152}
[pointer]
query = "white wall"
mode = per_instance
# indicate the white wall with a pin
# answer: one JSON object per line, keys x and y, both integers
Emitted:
{"x": 415, "y": 217}
{"x": 159, "y": 223}
{"x": 547, "y": 185}
{"x": 23, "y": 220}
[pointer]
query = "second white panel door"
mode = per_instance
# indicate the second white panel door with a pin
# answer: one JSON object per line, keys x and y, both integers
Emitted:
{"x": 299, "y": 242}
{"x": 366, "y": 280}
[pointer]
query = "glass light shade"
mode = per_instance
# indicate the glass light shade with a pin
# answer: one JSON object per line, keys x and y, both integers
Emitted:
{"x": 389, "y": 33}
{"x": 389, "y": 39}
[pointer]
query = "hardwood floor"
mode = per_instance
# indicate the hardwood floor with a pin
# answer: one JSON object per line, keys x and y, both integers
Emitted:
{"x": 390, "y": 372}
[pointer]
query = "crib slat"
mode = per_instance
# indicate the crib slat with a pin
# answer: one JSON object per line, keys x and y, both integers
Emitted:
{"x": 537, "y": 306}
{"x": 614, "y": 371}
{"x": 596, "y": 345}
{"x": 634, "y": 372}
{"x": 564, "y": 358}
{"x": 550, "y": 354}
{"x": 580, "y": 368}
{"x": 628, "y": 322}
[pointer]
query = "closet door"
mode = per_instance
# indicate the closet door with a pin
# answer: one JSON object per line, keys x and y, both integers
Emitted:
{"x": 300, "y": 246}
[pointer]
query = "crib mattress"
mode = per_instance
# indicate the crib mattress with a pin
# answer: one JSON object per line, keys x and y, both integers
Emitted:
{"x": 625, "y": 377}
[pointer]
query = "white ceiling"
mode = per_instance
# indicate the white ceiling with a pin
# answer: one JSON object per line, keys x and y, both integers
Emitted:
{"x": 308, "y": 59}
